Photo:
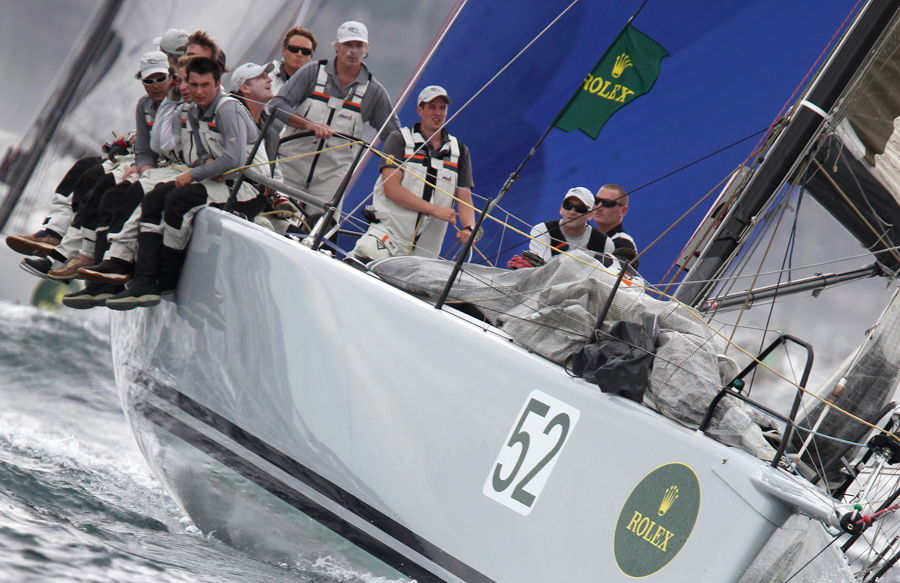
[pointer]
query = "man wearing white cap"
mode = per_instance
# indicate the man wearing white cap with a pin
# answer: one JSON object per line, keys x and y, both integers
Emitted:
{"x": 173, "y": 43}
{"x": 413, "y": 203}
{"x": 252, "y": 84}
{"x": 338, "y": 95}
{"x": 572, "y": 232}
{"x": 224, "y": 134}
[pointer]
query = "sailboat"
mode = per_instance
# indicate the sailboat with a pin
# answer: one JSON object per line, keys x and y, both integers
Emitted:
{"x": 296, "y": 406}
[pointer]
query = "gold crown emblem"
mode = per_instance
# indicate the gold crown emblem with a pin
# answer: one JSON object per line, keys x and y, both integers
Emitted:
{"x": 622, "y": 61}
{"x": 668, "y": 499}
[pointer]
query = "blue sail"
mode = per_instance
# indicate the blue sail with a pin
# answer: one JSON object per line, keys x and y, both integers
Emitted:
{"x": 733, "y": 66}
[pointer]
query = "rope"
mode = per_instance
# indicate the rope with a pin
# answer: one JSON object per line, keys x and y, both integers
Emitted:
{"x": 856, "y": 210}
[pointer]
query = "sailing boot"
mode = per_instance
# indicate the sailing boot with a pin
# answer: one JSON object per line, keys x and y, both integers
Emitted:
{"x": 171, "y": 262}
{"x": 93, "y": 294}
{"x": 143, "y": 291}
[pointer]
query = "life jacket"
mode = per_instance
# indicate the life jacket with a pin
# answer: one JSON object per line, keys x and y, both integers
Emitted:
{"x": 185, "y": 154}
{"x": 558, "y": 243}
{"x": 215, "y": 144}
{"x": 321, "y": 174}
{"x": 188, "y": 148}
{"x": 620, "y": 238}
{"x": 149, "y": 112}
{"x": 277, "y": 75}
{"x": 417, "y": 233}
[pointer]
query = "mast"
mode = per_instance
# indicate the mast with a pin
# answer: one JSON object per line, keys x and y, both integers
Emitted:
{"x": 18, "y": 173}
{"x": 790, "y": 145}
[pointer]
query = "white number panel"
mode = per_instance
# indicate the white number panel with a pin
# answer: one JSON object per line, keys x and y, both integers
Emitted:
{"x": 530, "y": 451}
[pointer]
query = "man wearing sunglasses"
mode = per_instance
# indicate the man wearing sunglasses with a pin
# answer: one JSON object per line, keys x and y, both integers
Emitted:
{"x": 572, "y": 232}
{"x": 338, "y": 95}
{"x": 611, "y": 207}
{"x": 297, "y": 49}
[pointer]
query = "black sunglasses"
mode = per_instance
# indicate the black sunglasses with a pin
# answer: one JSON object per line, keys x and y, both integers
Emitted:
{"x": 578, "y": 207}
{"x": 295, "y": 49}
{"x": 153, "y": 80}
{"x": 607, "y": 203}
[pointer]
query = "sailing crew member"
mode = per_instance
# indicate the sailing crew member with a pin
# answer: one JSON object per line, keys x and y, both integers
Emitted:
{"x": 297, "y": 49}
{"x": 173, "y": 43}
{"x": 69, "y": 207}
{"x": 325, "y": 97}
{"x": 95, "y": 212}
{"x": 411, "y": 215}
{"x": 611, "y": 207}
{"x": 82, "y": 176}
{"x": 549, "y": 238}
{"x": 224, "y": 134}
{"x": 252, "y": 85}
{"x": 170, "y": 131}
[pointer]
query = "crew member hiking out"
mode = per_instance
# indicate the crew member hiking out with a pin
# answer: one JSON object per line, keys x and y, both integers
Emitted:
{"x": 224, "y": 134}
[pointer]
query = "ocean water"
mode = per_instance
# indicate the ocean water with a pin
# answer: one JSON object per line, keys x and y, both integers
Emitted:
{"x": 77, "y": 501}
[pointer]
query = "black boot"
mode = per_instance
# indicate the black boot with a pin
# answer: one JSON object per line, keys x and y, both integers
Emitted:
{"x": 171, "y": 262}
{"x": 143, "y": 291}
{"x": 94, "y": 294}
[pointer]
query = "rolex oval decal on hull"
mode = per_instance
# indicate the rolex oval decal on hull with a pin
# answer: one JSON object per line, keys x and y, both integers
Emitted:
{"x": 657, "y": 520}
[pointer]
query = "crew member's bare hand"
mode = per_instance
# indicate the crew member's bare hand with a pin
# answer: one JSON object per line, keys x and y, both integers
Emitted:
{"x": 322, "y": 131}
{"x": 463, "y": 236}
{"x": 183, "y": 179}
{"x": 445, "y": 214}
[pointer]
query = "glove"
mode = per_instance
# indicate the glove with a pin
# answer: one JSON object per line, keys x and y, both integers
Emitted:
{"x": 518, "y": 262}
{"x": 116, "y": 149}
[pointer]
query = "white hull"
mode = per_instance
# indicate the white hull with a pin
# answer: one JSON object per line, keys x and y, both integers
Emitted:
{"x": 358, "y": 420}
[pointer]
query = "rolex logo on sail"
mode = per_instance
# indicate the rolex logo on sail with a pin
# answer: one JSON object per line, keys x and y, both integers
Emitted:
{"x": 622, "y": 61}
{"x": 668, "y": 499}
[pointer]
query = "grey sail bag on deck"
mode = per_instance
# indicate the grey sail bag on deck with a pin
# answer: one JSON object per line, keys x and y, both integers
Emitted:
{"x": 619, "y": 361}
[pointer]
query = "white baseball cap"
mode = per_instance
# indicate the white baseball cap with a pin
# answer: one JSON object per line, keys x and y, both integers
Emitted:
{"x": 154, "y": 62}
{"x": 352, "y": 30}
{"x": 248, "y": 71}
{"x": 582, "y": 194}
{"x": 431, "y": 92}
{"x": 174, "y": 41}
